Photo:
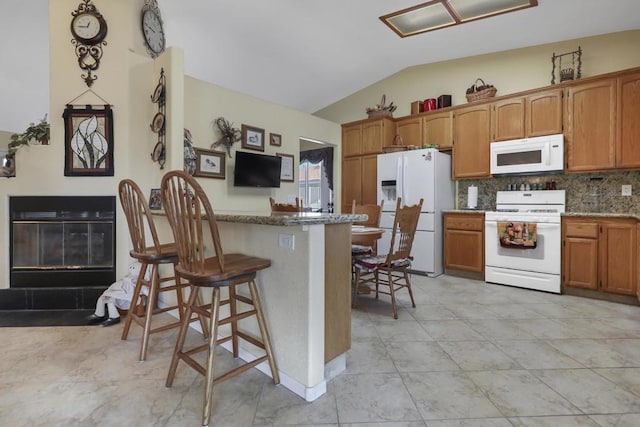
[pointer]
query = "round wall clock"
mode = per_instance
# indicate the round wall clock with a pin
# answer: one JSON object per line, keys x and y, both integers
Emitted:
{"x": 153, "y": 29}
{"x": 89, "y": 28}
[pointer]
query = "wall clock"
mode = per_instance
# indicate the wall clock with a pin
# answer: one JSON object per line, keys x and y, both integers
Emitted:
{"x": 89, "y": 30}
{"x": 152, "y": 28}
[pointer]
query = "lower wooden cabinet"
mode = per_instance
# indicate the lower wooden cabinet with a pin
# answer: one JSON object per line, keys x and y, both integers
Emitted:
{"x": 600, "y": 254}
{"x": 464, "y": 242}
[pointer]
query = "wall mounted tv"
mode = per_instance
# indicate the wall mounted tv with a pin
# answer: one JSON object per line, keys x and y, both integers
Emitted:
{"x": 256, "y": 170}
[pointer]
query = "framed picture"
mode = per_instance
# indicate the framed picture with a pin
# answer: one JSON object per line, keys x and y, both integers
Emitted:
{"x": 286, "y": 170}
{"x": 88, "y": 140}
{"x": 252, "y": 138}
{"x": 155, "y": 200}
{"x": 275, "y": 139}
{"x": 210, "y": 163}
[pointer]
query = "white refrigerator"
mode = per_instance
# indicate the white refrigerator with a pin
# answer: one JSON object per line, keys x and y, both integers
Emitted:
{"x": 413, "y": 175}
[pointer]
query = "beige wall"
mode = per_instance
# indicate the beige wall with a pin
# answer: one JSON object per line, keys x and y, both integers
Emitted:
{"x": 510, "y": 71}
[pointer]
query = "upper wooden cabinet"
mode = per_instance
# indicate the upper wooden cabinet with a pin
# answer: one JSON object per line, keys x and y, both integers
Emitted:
{"x": 628, "y": 122}
{"x": 590, "y": 136}
{"x": 361, "y": 143}
{"x": 437, "y": 128}
{"x": 537, "y": 114}
{"x": 410, "y": 130}
{"x": 471, "y": 139}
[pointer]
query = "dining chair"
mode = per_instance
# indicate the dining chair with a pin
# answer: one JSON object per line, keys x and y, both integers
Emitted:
{"x": 188, "y": 211}
{"x": 391, "y": 269}
{"x": 374, "y": 213}
{"x": 285, "y": 207}
{"x": 140, "y": 222}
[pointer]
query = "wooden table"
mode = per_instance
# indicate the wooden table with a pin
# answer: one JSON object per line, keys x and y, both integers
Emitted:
{"x": 366, "y": 236}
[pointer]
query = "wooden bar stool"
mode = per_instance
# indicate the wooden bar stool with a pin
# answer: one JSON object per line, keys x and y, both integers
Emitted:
{"x": 187, "y": 208}
{"x": 139, "y": 220}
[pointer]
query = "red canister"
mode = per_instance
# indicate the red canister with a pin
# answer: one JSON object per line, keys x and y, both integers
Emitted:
{"x": 430, "y": 104}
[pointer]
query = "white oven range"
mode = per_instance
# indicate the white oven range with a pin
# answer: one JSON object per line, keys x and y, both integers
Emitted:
{"x": 536, "y": 266}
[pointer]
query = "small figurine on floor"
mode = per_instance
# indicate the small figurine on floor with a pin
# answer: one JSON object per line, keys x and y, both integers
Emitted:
{"x": 118, "y": 295}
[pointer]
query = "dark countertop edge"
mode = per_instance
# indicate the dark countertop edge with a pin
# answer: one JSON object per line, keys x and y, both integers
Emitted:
{"x": 572, "y": 214}
{"x": 284, "y": 219}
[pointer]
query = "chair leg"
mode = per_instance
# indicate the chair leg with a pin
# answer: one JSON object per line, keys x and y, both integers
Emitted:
{"x": 134, "y": 301}
{"x": 393, "y": 294}
{"x": 211, "y": 358}
{"x": 179, "y": 296}
{"x": 266, "y": 340}
{"x": 233, "y": 310}
{"x": 354, "y": 286}
{"x": 182, "y": 334}
{"x": 408, "y": 285}
{"x": 377, "y": 282}
{"x": 151, "y": 303}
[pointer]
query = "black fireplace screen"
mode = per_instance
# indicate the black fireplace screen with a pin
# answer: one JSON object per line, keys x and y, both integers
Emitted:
{"x": 62, "y": 241}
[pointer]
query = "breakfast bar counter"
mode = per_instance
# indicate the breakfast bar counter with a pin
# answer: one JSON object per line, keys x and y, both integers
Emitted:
{"x": 306, "y": 293}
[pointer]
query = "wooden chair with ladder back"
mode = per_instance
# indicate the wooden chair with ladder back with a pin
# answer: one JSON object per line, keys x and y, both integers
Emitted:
{"x": 188, "y": 208}
{"x": 140, "y": 222}
{"x": 391, "y": 269}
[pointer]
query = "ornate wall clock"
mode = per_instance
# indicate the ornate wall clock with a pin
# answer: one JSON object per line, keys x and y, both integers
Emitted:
{"x": 152, "y": 28}
{"x": 89, "y": 30}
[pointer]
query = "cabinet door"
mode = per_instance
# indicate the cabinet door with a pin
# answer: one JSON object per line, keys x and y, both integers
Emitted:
{"x": 464, "y": 242}
{"x": 373, "y": 134}
{"x": 628, "y": 137}
{"x": 507, "y": 119}
{"x": 543, "y": 113}
{"x": 369, "y": 179}
{"x": 580, "y": 263}
{"x": 471, "y": 139}
{"x": 410, "y": 130}
{"x": 618, "y": 257}
{"x": 351, "y": 182}
{"x": 590, "y": 137}
{"x": 351, "y": 140}
{"x": 437, "y": 128}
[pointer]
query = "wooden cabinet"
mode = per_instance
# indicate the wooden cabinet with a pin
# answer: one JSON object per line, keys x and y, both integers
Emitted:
{"x": 361, "y": 143}
{"x": 590, "y": 126}
{"x": 410, "y": 130}
{"x": 537, "y": 114}
{"x": 628, "y": 125}
{"x": 437, "y": 128}
{"x": 464, "y": 242}
{"x": 600, "y": 255}
{"x": 471, "y": 139}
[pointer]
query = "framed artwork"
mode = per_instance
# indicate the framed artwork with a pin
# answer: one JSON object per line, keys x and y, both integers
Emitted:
{"x": 155, "y": 200}
{"x": 252, "y": 138}
{"x": 209, "y": 163}
{"x": 275, "y": 139}
{"x": 88, "y": 141}
{"x": 286, "y": 170}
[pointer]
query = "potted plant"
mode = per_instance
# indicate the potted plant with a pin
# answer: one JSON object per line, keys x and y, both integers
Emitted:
{"x": 39, "y": 132}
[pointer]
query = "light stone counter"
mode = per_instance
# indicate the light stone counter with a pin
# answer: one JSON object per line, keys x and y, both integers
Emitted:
{"x": 287, "y": 218}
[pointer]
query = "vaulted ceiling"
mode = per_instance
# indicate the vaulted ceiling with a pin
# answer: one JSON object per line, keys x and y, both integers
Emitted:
{"x": 302, "y": 54}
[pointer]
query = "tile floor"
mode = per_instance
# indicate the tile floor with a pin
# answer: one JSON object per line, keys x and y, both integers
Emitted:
{"x": 470, "y": 354}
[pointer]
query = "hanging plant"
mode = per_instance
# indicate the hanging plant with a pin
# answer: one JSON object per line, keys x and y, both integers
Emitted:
{"x": 230, "y": 135}
{"x": 39, "y": 132}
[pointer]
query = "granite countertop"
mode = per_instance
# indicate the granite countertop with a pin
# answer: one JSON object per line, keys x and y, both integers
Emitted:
{"x": 573, "y": 214}
{"x": 283, "y": 218}
{"x": 464, "y": 211}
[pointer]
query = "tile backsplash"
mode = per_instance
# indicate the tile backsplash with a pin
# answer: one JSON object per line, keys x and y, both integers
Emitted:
{"x": 592, "y": 192}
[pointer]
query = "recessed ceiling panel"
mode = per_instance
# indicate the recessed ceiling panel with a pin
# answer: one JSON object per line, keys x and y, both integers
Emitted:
{"x": 474, "y": 9}
{"x": 417, "y": 20}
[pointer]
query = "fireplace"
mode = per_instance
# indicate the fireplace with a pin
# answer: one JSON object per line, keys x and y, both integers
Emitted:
{"x": 62, "y": 250}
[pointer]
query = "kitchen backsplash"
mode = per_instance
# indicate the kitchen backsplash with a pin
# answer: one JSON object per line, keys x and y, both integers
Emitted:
{"x": 595, "y": 192}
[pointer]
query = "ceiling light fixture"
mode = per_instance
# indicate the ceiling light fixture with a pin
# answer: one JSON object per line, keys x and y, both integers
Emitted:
{"x": 445, "y": 13}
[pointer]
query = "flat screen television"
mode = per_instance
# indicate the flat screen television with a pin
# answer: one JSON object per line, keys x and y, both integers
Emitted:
{"x": 256, "y": 170}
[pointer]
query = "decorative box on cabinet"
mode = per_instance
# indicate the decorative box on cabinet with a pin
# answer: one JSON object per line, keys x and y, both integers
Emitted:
{"x": 600, "y": 255}
{"x": 464, "y": 243}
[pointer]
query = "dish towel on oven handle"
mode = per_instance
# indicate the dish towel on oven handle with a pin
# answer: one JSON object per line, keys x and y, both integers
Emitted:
{"x": 517, "y": 235}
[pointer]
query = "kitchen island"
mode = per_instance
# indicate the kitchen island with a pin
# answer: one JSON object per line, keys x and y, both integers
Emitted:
{"x": 306, "y": 293}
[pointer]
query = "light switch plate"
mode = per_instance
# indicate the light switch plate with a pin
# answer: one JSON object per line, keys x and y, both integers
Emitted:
{"x": 286, "y": 241}
{"x": 626, "y": 190}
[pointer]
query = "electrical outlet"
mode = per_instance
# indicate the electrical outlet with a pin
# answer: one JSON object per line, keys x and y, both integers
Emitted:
{"x": 286, "y": 241}
{"x": 626, "y": 190}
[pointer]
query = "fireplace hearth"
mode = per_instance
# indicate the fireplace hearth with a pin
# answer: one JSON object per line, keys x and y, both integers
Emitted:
{"x": 62, "y": 251}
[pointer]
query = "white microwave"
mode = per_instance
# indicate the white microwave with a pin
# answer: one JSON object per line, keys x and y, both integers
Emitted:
{"x": 528, "y": 156}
